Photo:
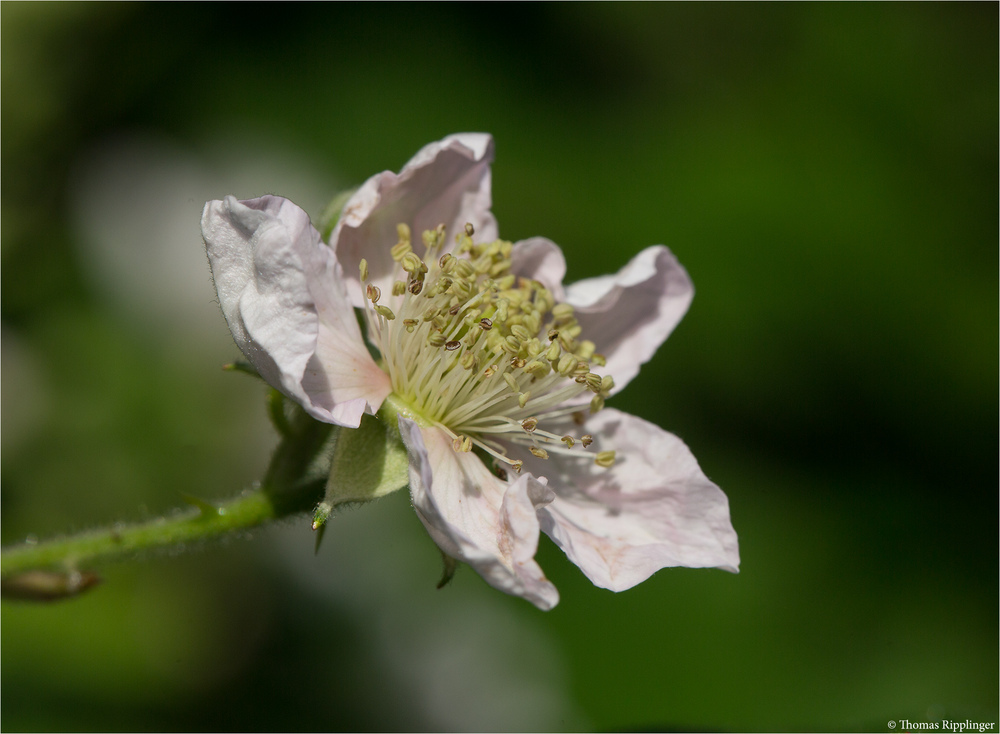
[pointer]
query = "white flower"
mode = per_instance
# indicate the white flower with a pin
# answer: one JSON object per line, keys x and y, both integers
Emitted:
{"x": 497, "y": 373}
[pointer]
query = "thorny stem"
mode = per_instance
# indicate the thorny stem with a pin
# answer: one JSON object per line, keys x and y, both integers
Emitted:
{"x": 294, "y": 483}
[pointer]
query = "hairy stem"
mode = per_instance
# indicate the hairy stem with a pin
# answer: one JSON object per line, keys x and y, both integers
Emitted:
{"x": 295, "y": 482}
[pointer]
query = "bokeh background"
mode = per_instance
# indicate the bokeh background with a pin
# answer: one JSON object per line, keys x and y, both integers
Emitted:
{"x": 827, "y": 174}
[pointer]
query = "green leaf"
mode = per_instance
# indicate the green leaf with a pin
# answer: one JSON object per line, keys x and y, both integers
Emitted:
{"x": 368, "y": 462}
{"x": 331, "y": 214}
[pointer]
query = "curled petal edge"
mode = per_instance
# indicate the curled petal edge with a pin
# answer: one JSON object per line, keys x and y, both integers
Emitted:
{"x": 628, "y": 315}
{"x": 283, "y": 297}
{"x": 475, "y": 517}
{"x": 653, "y": 509}
{"x": 447, "y": 182}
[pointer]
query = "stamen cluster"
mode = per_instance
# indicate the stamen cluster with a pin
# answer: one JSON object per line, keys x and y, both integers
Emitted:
{"x": 480, "y": 352}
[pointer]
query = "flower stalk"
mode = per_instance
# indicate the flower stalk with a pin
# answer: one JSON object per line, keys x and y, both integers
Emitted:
{"x": 295, "y": 481}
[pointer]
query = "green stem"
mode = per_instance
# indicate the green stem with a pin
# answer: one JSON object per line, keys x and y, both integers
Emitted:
{"x": 294, "y": 483}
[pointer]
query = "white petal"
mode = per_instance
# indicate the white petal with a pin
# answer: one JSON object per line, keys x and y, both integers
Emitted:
{"x": 629, "y": 315}
{"x": 475, "y": 517}
{"x": 540, "y": 259}
{"x": 445, "y": 182}
{"x": 283, "y": 296}
{"x": 654, "y": 508}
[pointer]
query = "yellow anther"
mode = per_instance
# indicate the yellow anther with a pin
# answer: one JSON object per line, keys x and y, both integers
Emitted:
{"x": 596, "y": 403}
{"x": 434, "y": 238}
{"x": 567, "y": 363}
{"x": 599, "y": 360}
{"x": 529, "y": 424}
{"x": 539, "y": 452}
{"x": 469, "y": 361}
{"x": 537, "y": 369}
{"x": 553, "y": 352}
{"x": 517, "y": 465}
{"x": 607, "y": 383}
{"x": 412, "y": 264}
{"x": 462, "y": 288}
{"x": 385, "y": 312}
{"x": 363, "y": 266}
{"x": 398, "y": 288}
{"x": 605, "y": 459}
{"x": 593, "y": 382}
{"x": 505, "y": 282}
{"x": 403, "y": 232}
{"x": 522, "y": 399}
{"x": 410, "y": 324}
{"x": 437, "y": 339}
{"x": 399, "y": 249}
{"x": 569, "y": 441}
{"x": 469, "y": 229}
{"x": 520, "y": 332}
{"x": 483, "y": 265}
{"x": 499, "y": 268}
{"x": 567, "y": 342}
{"x": 585, "y": 350}
{"x": 501, "y": 315}
{"x": 463, "y": 268}
{"x": 562, "y": 312}
{"x": 511, "y": 345}
{"x": 511, "y": 382}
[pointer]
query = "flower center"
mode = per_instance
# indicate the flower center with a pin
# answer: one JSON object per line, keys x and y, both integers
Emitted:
{"x": 486, "y": 355}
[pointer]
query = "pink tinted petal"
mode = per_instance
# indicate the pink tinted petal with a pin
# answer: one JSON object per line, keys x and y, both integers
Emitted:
{"x": 629, "y": 315}
{"x": 475, "y": 517}
{"x": 445, "y": 182}
{"x": 654, "y": 508}
{"x": 284, "y": 299}
{"x": 540, "y": 259}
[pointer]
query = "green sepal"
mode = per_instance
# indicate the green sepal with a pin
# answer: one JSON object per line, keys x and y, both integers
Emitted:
{"x": 369, "y": 461}
{"x": 331, "y": 214}
{"x": 450, "y": 566}
{"x": 276, "y": 412}
{"x": 245, "y": 367}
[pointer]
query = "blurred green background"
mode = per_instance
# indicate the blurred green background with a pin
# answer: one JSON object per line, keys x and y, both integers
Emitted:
{"x": 826, "y": 173}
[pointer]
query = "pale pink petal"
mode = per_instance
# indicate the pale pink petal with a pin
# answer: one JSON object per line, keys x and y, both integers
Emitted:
{"x": 447, "y": 182}
{"x": 476, "y": 517}
{"x": 629, "y": 314}
{"x": 284, "y": 299}
{"x": 654, "y": 508}
{"x": 540, "y": 259}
